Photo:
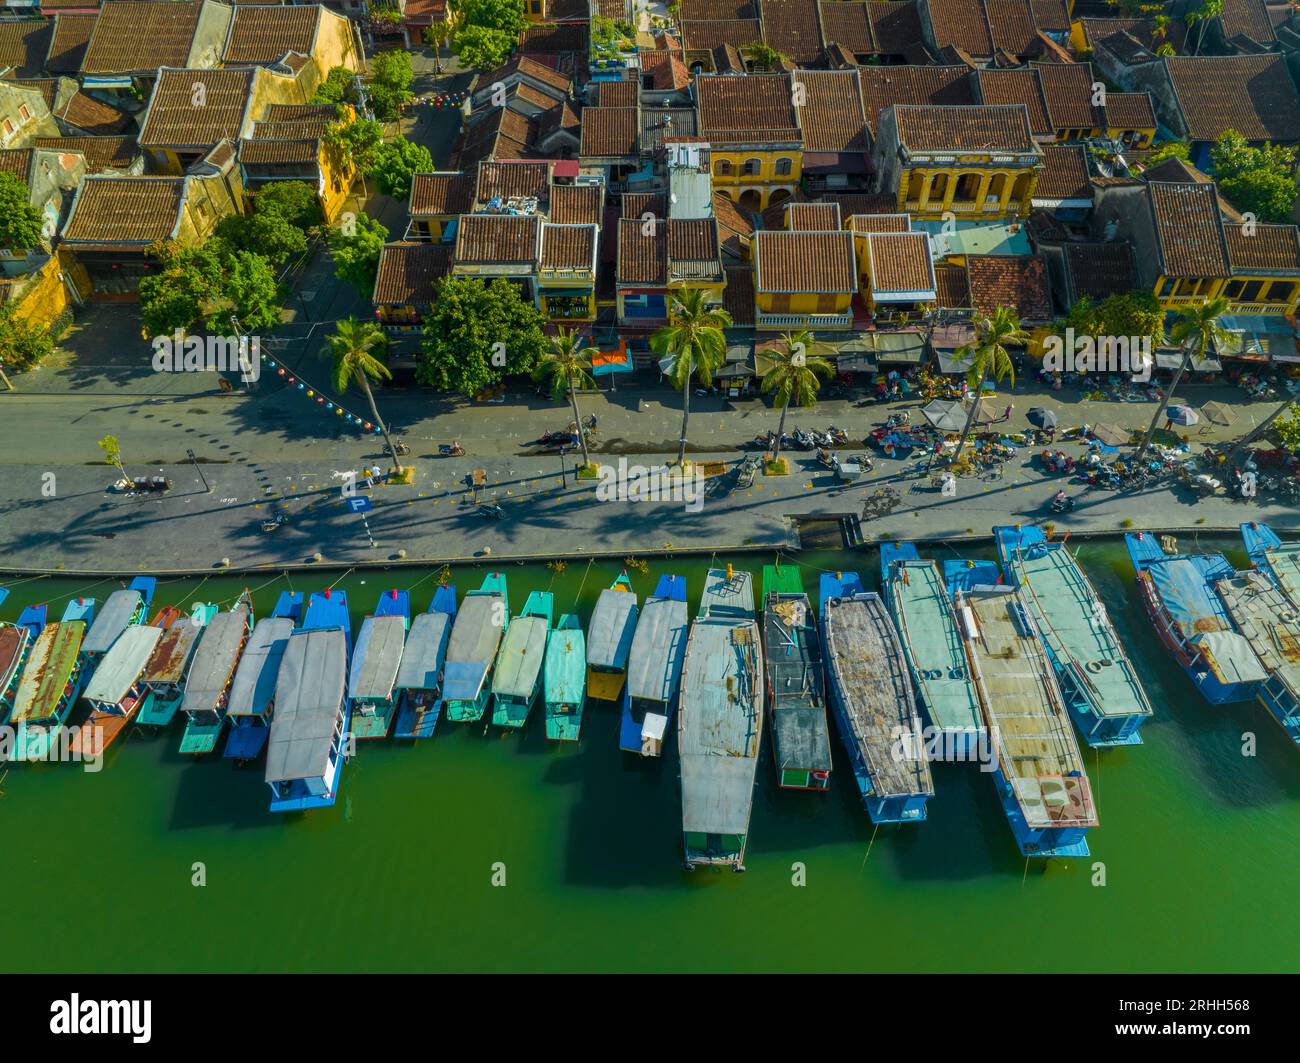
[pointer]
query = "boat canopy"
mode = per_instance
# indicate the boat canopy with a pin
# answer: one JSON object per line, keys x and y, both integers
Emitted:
{"x": 214, "y": 663}
{"x": 794, "y": 668}
{"x": 474, "y": 640}
{"x": 13, "y": 640}
{"x": 120, "y": 667}
{"x": 172, "y": 654}
{"x": 376, "y": 657}
{"x": 613, "y": 624}
{"x": 1183, "y": 583}
{"x": 48, "y": 668}
{"x": 520, "y": 661}
{"x": 253, "y": 690}
{"x": 112, "y": 620}
{"x": 654, "y": 668}
{"x": 566, "y": 653}
{"x": 424, "y": 652}
{"x": 1267, "y": 621}
{"x": 1230, "y": 655}
{"x": 308, "y": 704}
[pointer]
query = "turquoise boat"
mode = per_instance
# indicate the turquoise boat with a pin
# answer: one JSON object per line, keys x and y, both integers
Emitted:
{"x": 517, "y": 679}
{"x": 16, "y": 641}
{"x": 720, "y": 722}
{"x": 55, "y": 671}
{"x": 796, "y": 682}
{"x": 207, "y": 689}
{"x": 164, "y": 676}
{"x": 654, "y": 668}
{"x": 609, "y": 640}
{"x": 419, "y": 679}
{"x": 481, "y": 621}
{"x": 252, "y": 694}
{"x": 120, "y": 610}
{"x": 564, "y": 686}
{"x": 376, "y": 658}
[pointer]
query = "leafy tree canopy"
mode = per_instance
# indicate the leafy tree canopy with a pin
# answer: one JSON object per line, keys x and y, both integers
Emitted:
{"x": 396, "y": 163}
{"x": 336, "y": 88}
{"x": 1121, "y": 314}
{"x": 1260, "y": 181}
{"x": 357, "y": 143}
{"x": 1170, "y": 149}
{"x": 357, "y": 244}
{"x": 390, "y": 82}
{"x": 23, "y": 344}
{"x": 504, "y": 15}
{"x": 209, "y": 287}
{"x": 295, "y": 201}
{"x": 20, "y": 222}
{"x": 470, "y": 317}
{"x": 483, "y": 48}
{"x": 1286, "y": 429}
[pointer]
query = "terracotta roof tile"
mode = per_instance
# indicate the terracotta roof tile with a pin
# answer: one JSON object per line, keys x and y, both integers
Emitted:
{"x": 139, "y": 36}
{"x": 738, "y": 295}
{"x": 813, "y": 217}
{"x": 577, "y": 204}
{"x": 900, "y": 262}
{"x": 408, "y": 271}
{"x": 880, "y": 223}
{"x": 883, "y": 86}
{"x": 1270, "y": 249}
{"x": 47, "y": 87}
{"x": 1248, "y": 18}
{"x": 1098, "y": 29}
{"x": 569, "y": 246}
{"x": 895, "y": 24}
{"x": 976, "y": 128}
{"x": 441, "y": 193}
{"x": 292, "y": 112}
{"x": 610, "y": 132}
{"x": 1252, "y": 94}
{"x": 1068, "y": 88}
{"x": 16, "y": 161}
{"x": 124, "y": 212}
{"x": 707, "y": 35}
{"x": 952, "y": 290}
{"x": 1012, "y": 25}
{"x": 102, "y": 153}
{"x": 1188, "y": 230}
{"x": 862, "y": 202}
{"x": 196, "y": 107}
{"x": 1097, "y": 270}
{"x": 1130, "y": 110}
{"x": 264, "y": 34}
{"x": 500, "y": 239}
{"x": 692, "y": 239}
{"x": 962, "y": 23}
{"x": 751, "y": 109}
{"x": 1065, "y": 173}
{"x": 804, "y": 262}
{"x": 1016, "y": 281}
{"x": 68, "y": 45}
{"x": 560, "y": 116}
{"x": 311, "y": 128}
{"x": 93, "y": 117}
{"x": 791, "y": 27}
{"x": 638, "y": 204}
{"x": 1018, "y": 85}
{"x": 521, "y": 64}
{"x": 831, "y": 116}
{"x": 558, "y": 39}
{"x": 848, "y": 25}
{"x": 23, "y": 46}
{"x": 667, "y": 70}
{"x": 616, "y": 94}
{"x": 712, "y": 10}
{"x": 505, "y": 180}
{"x": 642, "y": 253}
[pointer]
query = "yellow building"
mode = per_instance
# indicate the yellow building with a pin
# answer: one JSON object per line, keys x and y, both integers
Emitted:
{"x": 437, "y": 199}
{"x": 804, "y": 279}
{"x": 290, "y": 145}
{"x": 566, "y": 272}
{"x": 752, "y": 126}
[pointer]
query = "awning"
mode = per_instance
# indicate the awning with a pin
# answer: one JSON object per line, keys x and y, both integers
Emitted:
{"x": 855, "y": 355}
{"x": 1257, "y": 338}
{"x": 618, "y": 360}
{"x": 950, "y": 363}
{"x": 906, "y": 347}
{"x": 1172, "y": 358}
{"x": 565, "y": 168}
{"x": 951, "y": 336}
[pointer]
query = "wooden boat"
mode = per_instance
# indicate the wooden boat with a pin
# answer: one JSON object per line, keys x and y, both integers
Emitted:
{"x": 1192, "y": 621}
{"x": 16, "y": 641}
{"x": 208, "y": 687}
{"x": 309, "y": 731}
{"x": 164, "y": 675}
{"x": 252, "y": 693}
{"x": 720, "y": 722}
{"x": 517, "y": 678}
{"x": 121, "y": 609}
{"x": 375, "y": 660}
{"x": 874, "y": 701}
{"x": 654, "y": 668}
{"x": 1278, "y": 560}
{"x": 116, "y": 690}
{"x": 1040, "y": 777}
{"x": 564, "y": 687}
{"x": 796, "y": 683}
{"x": 419, "y": 679}
{"x": 1270, "y": 623}
{"x": 1100, "y": 685}
{"x": 919, "y": 602}
{"x": 55, "y": 671}
{"x": 481, "y": 621}
{"x": 609, "y": 640}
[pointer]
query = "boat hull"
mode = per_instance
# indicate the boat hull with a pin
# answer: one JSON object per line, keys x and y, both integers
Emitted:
{"x": 417, "y": 714}
{"x": 159, "y": 709}
{"x": 201, "y": 738}
{"x": 1046, "y": 843}
{"x": 246, "y": 741}
{"x": 374, "y": 724}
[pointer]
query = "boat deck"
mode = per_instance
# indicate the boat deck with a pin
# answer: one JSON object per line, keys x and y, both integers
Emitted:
{"x": 48, "y": 668}
{"x": 1268, "y": 622}
{"x": 376, "y": 657}
{"x": 1285, "y": 563}
{"x": 119, "y": 610}
{"x": 654, "y": 669}
{"x": 474, "y": 640}
{"x": 796, "y": 682}
{"x": 253, "y": 689}
{"x": 215, "y": 660}
{"x": 424, "y": 652}
{"x": 519, "y": 663}
{"x": 172, "y": 654}
{"x": 308, "y": 705}
{"x": 611, "y": 629}
{"x": 120, "y": 668}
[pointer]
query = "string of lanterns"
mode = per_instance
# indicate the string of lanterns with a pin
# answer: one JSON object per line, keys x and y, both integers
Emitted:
{"x": 312, "y": 393}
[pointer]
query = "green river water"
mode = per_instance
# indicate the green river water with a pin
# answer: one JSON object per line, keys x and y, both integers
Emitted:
{"x": 1198, "y": 843}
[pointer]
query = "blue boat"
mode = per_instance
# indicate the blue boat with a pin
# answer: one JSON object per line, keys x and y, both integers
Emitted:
{"x": 252, "y": 693}
{"x": 654, "y": 668}
{"x": 1278, "y": 560}
{"x": 56, "y": 669}
{"x": 375, "y": 660}
{"x": 1100, "y": 685}
{"x": 309, "y": 732}
{"x": 481, "y": 623}
{"x": 1192, "y": 621}
{"x": 873, "y": 699}
{"x": 419, "y": 679}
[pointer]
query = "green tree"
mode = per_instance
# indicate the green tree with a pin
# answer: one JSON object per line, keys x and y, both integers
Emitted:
{"x": 267, "y": 233}
{"x": 250, "y": 296}
{"x": 337, "y": 87}
{"x": 796, "y": 376}
{"x": 357, "y": 245}
{"x": 295, "y": 201}
{"x": 1286, "y": 430}
{"x": 504, "y": 15}
{"x": 215, "y": 285}
{"x": 1202, "y": 17}
{"x": 478, "y": 333}
{"x": 482, "y": 48}
{"x": 1196, "y": 328}
{"x": 396, "y": 163}
{"x": 695, "y": 341}
{"x": 113, "y": 454}
{"x": 989, "y": 356}
{"x": 20, "y": 222}
{"x": 1170, "y": 149}
{"x": 356, "y": 143}
{"x": 567, "y": 365}
{"x": 389, "y": 83}
{"x": 1120, "y": 314}
{"x": 1260, "y": 181}
{"x": 436, "y": 37}
{"x": 1281, "y": 427}
{"x": 23, "y": 344}
{"x": 351, "y": 347}
{"x": 764, "y": 56}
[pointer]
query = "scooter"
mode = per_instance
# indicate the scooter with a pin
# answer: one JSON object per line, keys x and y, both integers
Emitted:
{"x": 450, "y": 450}
{"x": 491, "y": 509}
{"x": 1062, "y": 503}
{"x": 838, "y": 436}
{"x": 400, "y": 449}
{"x": 805, "y": 440}
{"x": 278, "y": 521}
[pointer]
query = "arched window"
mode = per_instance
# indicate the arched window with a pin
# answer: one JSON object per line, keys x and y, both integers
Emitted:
{"x": 783, "y": 167}
{"x": 722, "y": 168}
{"x": 751, "y": 167}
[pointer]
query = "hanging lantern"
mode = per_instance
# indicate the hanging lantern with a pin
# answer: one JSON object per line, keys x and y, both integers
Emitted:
{"x": 319, "y": 400}
{"x": 366, "y": 425}
{"x": 310, "y": 393}
{"x": 280, "y": 371}
{"x": 338, "y": 412}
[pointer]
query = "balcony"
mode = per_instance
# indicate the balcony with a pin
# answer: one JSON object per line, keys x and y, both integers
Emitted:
{"x": 1257, "y": 308}
{"x": 801, "y": 321}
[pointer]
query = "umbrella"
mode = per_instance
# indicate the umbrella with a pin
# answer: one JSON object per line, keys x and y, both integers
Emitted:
{"x": 945, "y": 415}
{"x": 1218, "y": 413}
{"x": 1043, "y": 418}
{"x": 1111, "y": 434}
{"x": 1183, "y": 415}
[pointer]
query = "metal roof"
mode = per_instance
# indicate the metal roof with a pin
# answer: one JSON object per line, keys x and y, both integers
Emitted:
{"x": 121, "y": 666}
{"x": 172, "y": 654}
{"x": 654, "y": 667}
{"x": 253, "y": 690}
{"x": 308, "y": 705}
{"x": 519, "y": 663}
{"x": 612, "y": 626}
{"x": 118, "y": 610}
{"x": 474, "y": 639}
{"x": 214, "y": 663}
{"x": 425, "y": 650}
{"x": 376, "y": 657}
{"x": 565, "y": 672}
{"x": 49, "y": 664}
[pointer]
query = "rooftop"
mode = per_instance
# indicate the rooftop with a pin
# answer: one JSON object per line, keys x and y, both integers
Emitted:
{"x": 804, "y": 262}
{"x": 408, "y": 271}
{"x": 139, "y": 36}
{"x": 977, "y": 128}
{"x": 1188, "y": 230}
{"x": 1018, "y": 281}
{"x": 498, "y": 239}
{"x": 124, "y": 213}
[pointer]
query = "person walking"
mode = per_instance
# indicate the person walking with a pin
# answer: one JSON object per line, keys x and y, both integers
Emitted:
{"x": 1006, "y": 414}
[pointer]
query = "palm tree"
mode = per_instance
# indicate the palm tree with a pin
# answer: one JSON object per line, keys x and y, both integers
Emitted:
{"x": 1195, "y": 328}
{"x": 795, "y": 375}
{"x": 695, "y": 341}
{"x": 989, "y": 356}
{"x": 567, "y": 365}
{"x": 350, "y": 346}
{"x": 1261, "y": 428}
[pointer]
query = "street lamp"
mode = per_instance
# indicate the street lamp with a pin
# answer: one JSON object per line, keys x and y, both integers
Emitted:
{"x": 564, "y": 469}
{"x": 195, "y": 462}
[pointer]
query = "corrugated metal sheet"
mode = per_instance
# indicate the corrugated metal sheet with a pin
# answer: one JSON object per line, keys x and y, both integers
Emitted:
{"x": 112, "y": 620}
{"x": 565, "y": 672}
{"x": 376, "y": 657}
{"x": 519, "y": 664}
{"x": 46, "y": 672}
{"x": 254, "y": 687}
{"x": 308, "y": 705}
{"x": 121, "y": 666}
{"x": 654, "y": 668}
{"x": 612, "y": 626}
{"x": 172, "y": 654}
{"x": 215, "y": 661}
{"x": 424, "y": 652}
{"x": 474, "y": 640}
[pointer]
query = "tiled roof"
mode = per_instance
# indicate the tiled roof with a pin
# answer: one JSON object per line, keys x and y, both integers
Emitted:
{"x": 441, "y": 193}
{"x": 196, "y": 107}
{"x": 498, "y": 239}
{"x": 1100, "y": 269}
{"x": 977, "y": 128}
{"x": 804, "y": 262}
{"x": 616, "y": 94}
{"x": 577, "y": 204}
{"x": 1068, "y": 89}
{"x": 717, "y": 9}
{"x": 900, "y": 262}
{"x": 47, "y": 87}
{"x": 1130, "y": 110}
{"x": 1252, "y": 94}
{"x": 952, "y": 290}
{"x": 560, "y": 116}
{"x": 752, "y": 109}
{"x": 705, "y": 36}
{"x": 1016, "y": 281}
{"x": 280, "y": 152}
{"x": 1269, "y": 249}
{"x": 1012, "y": 25}
{"x": 637, "y": 204}
{"x": 895, "y": 24}
{"x": 813, "y": 217}
{"x": 1248, "y": 18}
{"x": 667, "y": 69}
{"x": 68, "y": 45}
{"x": 93, "y": 117}
{"x": 506, "y": 179}
{"x": 734, "y": 227}
{"x": 569, "y": 246}
{"x": 16, "y": 161}
{"x": 610, "y": 132}
{"x": 862, "y": 202}
{"x": 642, "y": 253}
{"x": 692, "y": 239}
{"x": 1188, "y": 230}
{"x": 962, "y": 23}
{"x": 1098, "y": 29}
{"x": 880, "y": 223}
{"x": 543, "y": 39}
{"x": 738, "y": 295}
{"x": 312, "y": 127}
{"x": 264, "y": 34}
{"x": 291, "y": 112}
{"x": 111, "y": 213}
{"x": 727, "y": 60}
{"x": 791, "y": 27}
{"x": 102, "y": 153}
{"x": 883, "y": 86}
{"x": 848, "y": 25}
{"x": 521, "y": 64}
{"x": 408, "y": 271}
{"x": 23, "y": 46}
{"x": 1018, "y": 85}
{"x": 832, "y": 115}
{"x": 141, "y": 35}
{"x": 1065, "y": 173}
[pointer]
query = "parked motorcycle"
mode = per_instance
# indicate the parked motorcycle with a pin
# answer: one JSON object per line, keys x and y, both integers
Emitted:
{"x": 278, "y": 521}
{"x": 451, "y": 450}
{"x": 491, "y": 510}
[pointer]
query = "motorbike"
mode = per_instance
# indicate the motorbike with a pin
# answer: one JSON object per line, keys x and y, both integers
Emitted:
{"x": 278, "y": 521}
{"x": 549, "y": 439}
{"x": 491, "y": 510}
{"x": 896, "y": 419}
{"x": 451, "y": 450}
{"x": 805, "y": 440}
{"x": 1062, "y": 503}
{"x": 400, "y": 449}
{"x": 838, "y": 436}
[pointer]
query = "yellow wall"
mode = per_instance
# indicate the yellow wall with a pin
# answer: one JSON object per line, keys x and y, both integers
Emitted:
{"x": 804, "y": 303}
{"x": 1144, "y": 137}
{"x": 1192, "y": 292}
{"x": 923, "y": 193}
{"x": 730, "y": 179}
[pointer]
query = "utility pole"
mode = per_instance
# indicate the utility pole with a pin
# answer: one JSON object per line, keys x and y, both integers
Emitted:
{"x": 195, "y": 462}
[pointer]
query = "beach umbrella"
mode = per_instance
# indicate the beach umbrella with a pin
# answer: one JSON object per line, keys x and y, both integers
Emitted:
{"x": 1042, "y": 418}
{"x": 945, "y": 415}
{"x": 1218, "y": 413}
{"x": 1183, "y": 415}
{"x": 1111, "y": 434}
